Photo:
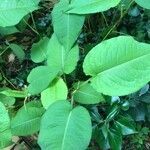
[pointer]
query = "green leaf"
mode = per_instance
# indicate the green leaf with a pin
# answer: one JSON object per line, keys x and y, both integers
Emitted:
{"x": 116, "y": 66}
{"x": 64, "y": 128}
{"x": 138, "y": 113}
{"x": 40, "y": 78}
{"x": 143, "y": 3}
{"x": 145, "y": 98}
{"x": 8, "y": 30}
{"x": 115, "y": 139}
{"x": 144, "y": 90}
{"x": 6, "y": 100}
{"x": 11, "y": 12}
{"x": 39, "y": 50}
{"x": 27, "y": 120}
{"x": 112, "y": 113}
{"x": 14, "y": 93}
{"x": 18, "y": 51}
{"x": 66, "y": 27}
{"x": 56, "y": 91}
{"x": 4, "y": 118}
{"x": 71, "y": 60}
{"x": 91, "y": 6}
{"x": 85, "y": 94}
{"x": 5, "y": 139}
{"x": 126, "y": 125}
{"x": 124, "y": 4}
{"x": 100, "y": 139}
{"x": 125, "y": 105}
{"x": 5, "y": 133}
{"x": 105, "y": 129}
{"x": 60, "y": 58}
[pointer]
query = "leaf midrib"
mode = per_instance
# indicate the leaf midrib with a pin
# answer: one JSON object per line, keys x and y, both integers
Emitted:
{"x": 26, "y": 122}
{"x": 65, "y": 131}
{"x": 92, "y": 95}
{"x": 122, "y": 64}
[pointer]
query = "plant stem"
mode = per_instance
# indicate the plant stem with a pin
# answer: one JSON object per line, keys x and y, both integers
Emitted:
{"x": 33, "y": 22}
{"x": 30, "y": 27}
{"x": 4, "y": 50}
{"x": 117, "y": 23}
{"x": 7, "y": 80}
{"x": 72, "y": 101}
{"x": 105, "y": 19}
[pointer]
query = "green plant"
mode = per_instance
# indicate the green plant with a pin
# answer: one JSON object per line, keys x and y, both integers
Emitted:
{"x": 66, "y": 115}
{"x": 141, "y": 136}
{"x": 140, "y": 139}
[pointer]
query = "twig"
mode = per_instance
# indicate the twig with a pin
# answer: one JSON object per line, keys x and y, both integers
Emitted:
{"x": 8, "y": 80}
{"x": 116, "y": 24}
{"x": 30, "y": 26}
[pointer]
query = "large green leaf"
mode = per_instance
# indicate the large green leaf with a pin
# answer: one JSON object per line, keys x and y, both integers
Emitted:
{"x": 85, "y": 94}
{"x": 60, "y": 58}
{"x": 91, "y": 6}
{"x": 39, "y": 50}
{"x": 27, "y": 119}
{"x": 66, "y": 27}
{"x": 56, "y": 91}
{"x": 12, "y": 11}
{"x": 118, "y": 66}
{"x": 5, "y": 133}
{"x": 6, "y": 100}
{"x": 40, "y": 78}
{"x": 143, "y": 3}
{"x": 64, "y": 128}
